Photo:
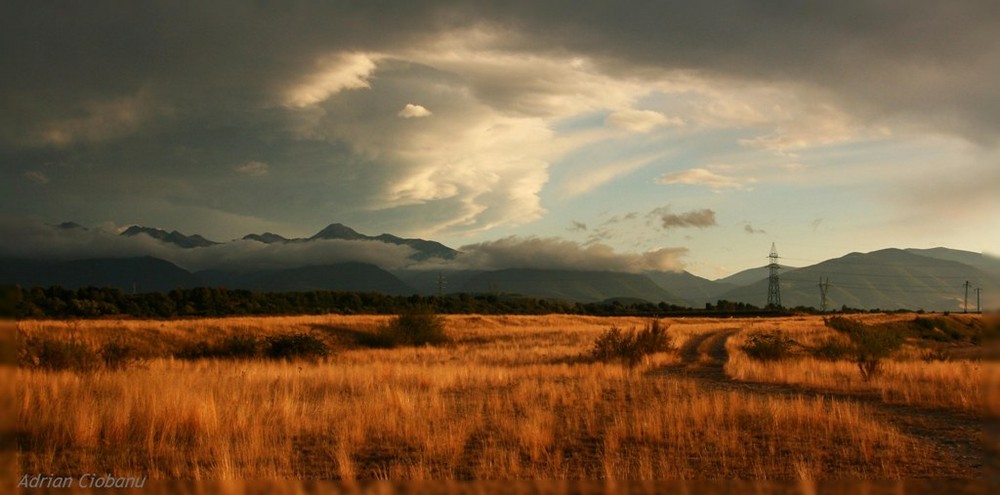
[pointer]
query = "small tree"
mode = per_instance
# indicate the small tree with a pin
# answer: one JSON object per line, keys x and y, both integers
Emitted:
{"x": 870, "y": 345}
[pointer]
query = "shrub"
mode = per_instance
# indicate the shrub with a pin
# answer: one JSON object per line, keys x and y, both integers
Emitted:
{"x": 768, "y": 346}
{"x": 833, "y": 349}
{"x": 871, "y": 346}
{"x": 53, "y": 354}
{"x": 284, "y": 346}
{"x": 417, "y": 327}
{"x": 842, "y": 325}
{"x": 631, "y": 346}
{"x": 118, "y": 355}
{"x": 297, "y": 345}
{"x": 239, "y": 347}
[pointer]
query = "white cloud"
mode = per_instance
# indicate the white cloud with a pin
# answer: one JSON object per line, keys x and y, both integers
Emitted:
{"x": 333, "y": 74}
{"x": 413, "y": 111}
{"x": 703, "y": 177}
{"x": 253, "y": 168}
{"x": 640, "y": 120}
{"x": 556, "y": 253}
{"x": 594, "y": 178}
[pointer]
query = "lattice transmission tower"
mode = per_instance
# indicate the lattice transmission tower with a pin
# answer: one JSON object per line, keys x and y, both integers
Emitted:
{"x": 773, "y": 283}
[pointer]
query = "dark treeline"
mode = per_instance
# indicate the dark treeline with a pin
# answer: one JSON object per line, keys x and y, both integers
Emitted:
{"x": 92, "y": 302}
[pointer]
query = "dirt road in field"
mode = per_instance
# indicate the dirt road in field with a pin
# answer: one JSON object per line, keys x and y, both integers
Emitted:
{"x": 957, "y": 438}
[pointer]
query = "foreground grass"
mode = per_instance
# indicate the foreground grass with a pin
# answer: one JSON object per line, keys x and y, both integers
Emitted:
{"x": 908, "y": 378}
{"x": 511, "y": 397}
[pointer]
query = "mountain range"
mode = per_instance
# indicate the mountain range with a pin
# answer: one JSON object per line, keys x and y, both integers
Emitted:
{"x": 931, "y": 279}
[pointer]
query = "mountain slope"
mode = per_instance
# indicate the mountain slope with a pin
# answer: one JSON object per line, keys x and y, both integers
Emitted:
{"x": 885, "y": 279}
{"x": 144, "y": 274}
{"x": 176, "y": 238}
{"x": 424, "y": 249}
{"x": 360, "y": 277}
{"x": 584, "y": 286}
{"x": 692, "y": 288}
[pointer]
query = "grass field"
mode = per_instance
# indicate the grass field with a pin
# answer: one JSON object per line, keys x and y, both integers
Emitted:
{"x": 510, "y": 397}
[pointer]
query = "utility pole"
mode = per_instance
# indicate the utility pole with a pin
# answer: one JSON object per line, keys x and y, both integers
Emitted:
{"x": 773, "y": 283}
{"x": 824, "y": 287}
{"x": 966, "y": 306}
{"x": 979, "y": 309}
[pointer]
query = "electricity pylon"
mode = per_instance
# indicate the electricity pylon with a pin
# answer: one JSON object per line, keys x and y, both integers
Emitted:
{"x": 773, "y": 284}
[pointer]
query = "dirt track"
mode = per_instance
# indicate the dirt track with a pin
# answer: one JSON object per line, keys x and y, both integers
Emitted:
{"x": 957, "y": 438}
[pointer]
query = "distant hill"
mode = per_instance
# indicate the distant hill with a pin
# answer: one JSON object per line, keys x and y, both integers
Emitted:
{"x": 584, "y": 286}
{"x": 428, "y": 282}
{"x": 423, "y": 249}
{"x": 266, "y": 238}
{"x": 176, "y": 238}
{"x": 751, "y": 275}
{"x": 142, "y": 274}
{"x": 986, "y": 263}
{"x": 885, "y": 279}
{"x": 692, "y": 288}
{"x": 359, "y": 277}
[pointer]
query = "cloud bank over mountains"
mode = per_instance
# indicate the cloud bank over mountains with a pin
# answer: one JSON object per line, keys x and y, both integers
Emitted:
{"x": 38, "y": 241}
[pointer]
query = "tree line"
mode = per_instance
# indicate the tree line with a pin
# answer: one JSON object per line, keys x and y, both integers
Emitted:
{"x": 98, "y": 302}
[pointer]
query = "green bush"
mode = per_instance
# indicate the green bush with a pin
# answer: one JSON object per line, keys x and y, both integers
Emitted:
{"x": 297, "y": 345}
{"x": 629, "y": 347}
{"x": 772, "y": 346}
{"x": 413, "y": 328}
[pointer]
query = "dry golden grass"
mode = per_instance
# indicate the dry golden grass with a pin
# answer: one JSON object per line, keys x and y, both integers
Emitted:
{"x": 510, "y": 398}
{"x": 906, "y": 378}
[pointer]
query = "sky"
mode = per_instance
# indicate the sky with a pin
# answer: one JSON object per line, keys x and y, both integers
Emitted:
{"x": 654, "y": 135}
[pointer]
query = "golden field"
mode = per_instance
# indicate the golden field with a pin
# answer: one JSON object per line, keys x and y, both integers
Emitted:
{"x": 511, "y": 397}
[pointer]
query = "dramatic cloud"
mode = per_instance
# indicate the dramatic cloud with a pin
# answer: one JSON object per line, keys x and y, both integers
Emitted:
{"x": 149, "y": 113}
{"x": 702, "y": 177}
{"x": 577, "y": 227}
{"x": 332, "y": 74}
{"x": 748, "y": 228}
{"x": 554, "y": 253}
{"x": 694, "y": 218}
{"x": 413, "y": 111}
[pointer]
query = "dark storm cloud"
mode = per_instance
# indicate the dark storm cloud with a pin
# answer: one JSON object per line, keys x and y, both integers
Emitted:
{"x": 117, "y": 108}
{"x": 928, "y": 61}
{"x": 62, "y": 59}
